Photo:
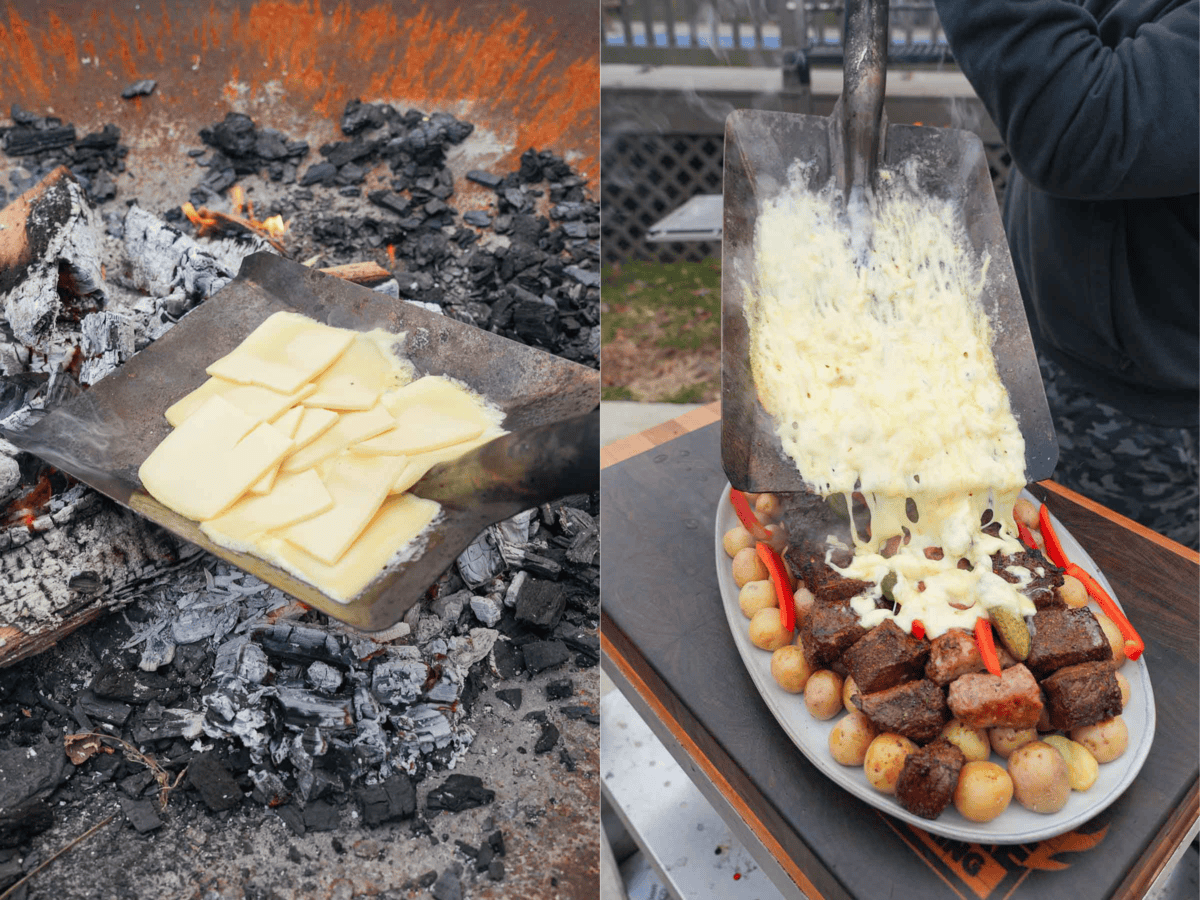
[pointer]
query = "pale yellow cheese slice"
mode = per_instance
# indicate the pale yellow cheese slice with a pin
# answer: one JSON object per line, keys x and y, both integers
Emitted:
{"x": 283, "y": 353}
{"x": 398, "y": 523}
{"x": 355, "y": 381}
{"x": 293, "y": 499}
{"x": 421, "y": 463}
{"x": 287, "y": 425}
{"x": 359, "y": 485}
{"x": 210, "y": 460}
{"x": 445, "y": 396}
{"x": 314, "y": 424}
{"x": 262, "y": 404}
{"x": 420, "y": 429}
{"x": 350, "y": 428}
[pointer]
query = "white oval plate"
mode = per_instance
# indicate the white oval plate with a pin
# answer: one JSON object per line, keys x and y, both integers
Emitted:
{"x": 1016, "y": 825}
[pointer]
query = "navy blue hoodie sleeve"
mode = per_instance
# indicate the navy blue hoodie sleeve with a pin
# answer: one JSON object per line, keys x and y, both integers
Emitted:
{"x": 1088, "y": 110}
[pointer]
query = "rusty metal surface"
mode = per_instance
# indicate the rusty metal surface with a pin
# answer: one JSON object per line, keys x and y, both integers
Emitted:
{"x": 103, "y": 436}
{"x": 527, "y": 72}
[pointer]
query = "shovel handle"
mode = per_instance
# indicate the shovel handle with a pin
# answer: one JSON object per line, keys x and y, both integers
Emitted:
{"x": 864, "y": 80}
{"x": 524, "y": 468}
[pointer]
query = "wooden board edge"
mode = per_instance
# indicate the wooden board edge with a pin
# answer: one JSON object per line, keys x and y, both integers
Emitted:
{"x": 623, "y": 449}
{"x": 1162, "y": 847}
{"x": 1141, "y": 530}
{"x": 701, "y": 760}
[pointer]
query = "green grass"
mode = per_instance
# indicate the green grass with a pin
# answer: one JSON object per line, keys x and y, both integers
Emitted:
{"x": 616, "y": 392}
{"x": 676, "y": 305}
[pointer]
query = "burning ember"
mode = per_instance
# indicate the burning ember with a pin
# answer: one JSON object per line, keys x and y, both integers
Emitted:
{"x": 209, "y": 222}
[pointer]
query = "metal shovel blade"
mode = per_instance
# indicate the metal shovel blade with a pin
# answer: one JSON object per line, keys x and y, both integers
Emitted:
{"x": 103, "y": 436}
{"x": 949, "y": 164}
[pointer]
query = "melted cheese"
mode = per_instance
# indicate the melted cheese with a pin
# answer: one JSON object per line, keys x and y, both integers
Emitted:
{"x": 871, "y": 351}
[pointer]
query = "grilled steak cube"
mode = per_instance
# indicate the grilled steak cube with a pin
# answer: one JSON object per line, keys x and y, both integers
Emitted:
{"x": 806, "y": 561}
{"x": 952, "y": 654}
{"x": 829, "y": 630}
{"x": 916, "y": 709}
{"x": 885, "y": 657}
{"x": 1065, "y": 637}
{"x": 929, "y": 777}
{"x": 1046, "y": 579}
{"x": 982, "y": 700}
{"x": 1082, "y": 695}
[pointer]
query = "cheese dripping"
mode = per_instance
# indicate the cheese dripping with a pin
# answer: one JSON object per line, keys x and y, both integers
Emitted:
{"x": 870, "y": 348}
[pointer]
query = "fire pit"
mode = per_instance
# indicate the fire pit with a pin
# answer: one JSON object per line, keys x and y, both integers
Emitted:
{"x": 196, "y": 731}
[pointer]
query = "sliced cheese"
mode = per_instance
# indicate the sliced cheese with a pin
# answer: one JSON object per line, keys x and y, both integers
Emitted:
{"x": 293, "y": 499}
{"x": 355, "y": 381}
{"x": 285, "y": 425}
{"x": 359, "y": 485}
{"x": 262, "y": 404}
{"x": 350, "y": 428}
{"x": 421, "y": 463}
{"x": 447, "y": 397}
{"x": 283, "y": 353}
{"x": 420, "y": 429}
{"x": 209, "y": 461}
{"x": 314, "y": 424}
{"x": 397, "y": 524}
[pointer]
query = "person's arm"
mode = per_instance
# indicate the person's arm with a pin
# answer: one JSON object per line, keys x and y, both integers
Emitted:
{"x": 1080, "y": 119}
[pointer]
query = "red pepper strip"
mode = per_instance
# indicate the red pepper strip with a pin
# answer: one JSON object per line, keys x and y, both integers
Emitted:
{"x": 1134, "y": 645}
{"x": 987, "y": 644}
{"x": 918, "y": 629}
{"x": 1025, "y": 536}
{"x": 1054, "y": 549}
{"x": 783, "y": 587}
{"x": 746, "y": 516}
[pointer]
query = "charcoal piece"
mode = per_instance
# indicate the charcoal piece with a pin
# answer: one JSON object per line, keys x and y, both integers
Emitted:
{"x": 134, "y": 786}
{"x": 293, "y": 817}
{"x": 542, "y": 564}
{"x": 541, "y": 604}
{"x": 321, "y": 173}
{"x": 456, "y": 131}
{"x": 1046, "y": 578}
{"x": 389, "y": 200}
{"x": 484, "y": 856}
{"x": 141, "y": 814}
{"x": 30, "y": 141}
{"x": 234, "y": 136}
{"x": 1065, "y": 637}
{"x": 477, "y": 217}
{"x": 585, "y": 277}
{"x": 496, "y": 870}
{"x": 219, "y": 179}
{"x": 269, "y": 789}
{"x": 531, "y": 167}
{"x": 321, "y": 815}
{"x": 155, "y": 723}
{"x": 30, "y": 773}
{"x": 916, "y": 709}
{"x": 341, "y": 152}
{"x": 829, "y": 630}
{"x": 359, "y": 116}
{"x": 216, "y": 786}
{"x": 1011, "y": 699}
{"x": 143, "y": 88}
{"x": 271, "y": 145}
{"x": 436, "y": 207}
{"x": 486, "y": 610}
{"x": 349, "y": 174}
{"x": 929, "y": 777}
{"x": 508, "y": 659}
{"x": 1082, "y": 694}
{"x": 542, "y": 655}
{"x": 447, "y": 887}
{"x": 22, "y": 822}
{"x": 459, "y": 792}
{"x": 560, "y": 690}
{"x": 487, "y": 179}
{"x": 496, "y": 842}
{"x": 511, "y": 696}
{"x": 884, "y": 657}
{"x": 580, "y": 712}
{"x": 548, "y": 738}
{"x": 393, "y": 798}
{"x": 575, "y": 230}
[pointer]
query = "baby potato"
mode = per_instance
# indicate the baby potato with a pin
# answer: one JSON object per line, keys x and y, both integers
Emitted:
{"x": 850, "y": 738}
{"x": 849, "y": 689}
{"x": 1082, "y": 768}
{"x": 1115, "y": 640}
{"x": 790, "y": 669}
{"x": 884, "y": 760}
{"x": 779, "y": 542}
{"x": 756, "y": 595}
{"x": 737, "y": 538}
{"x": 766, "y": 507}
{"x": 748, "y": 567}
{"x": 1005, "y": 740}
{"x": 823, "y": 694}
{"x": 1105, "y": 740}
{"x": 804, "y": 600}
{"x": 973, "y": 742}
{"x": 1126, "y": 690}
{"x": 1026, "y": 513}
{"x": 983, "y": 792}
{"x": 767, "y": 631}
{"x": 1072, "y": 592}
{"x": 1041, "y": 781}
